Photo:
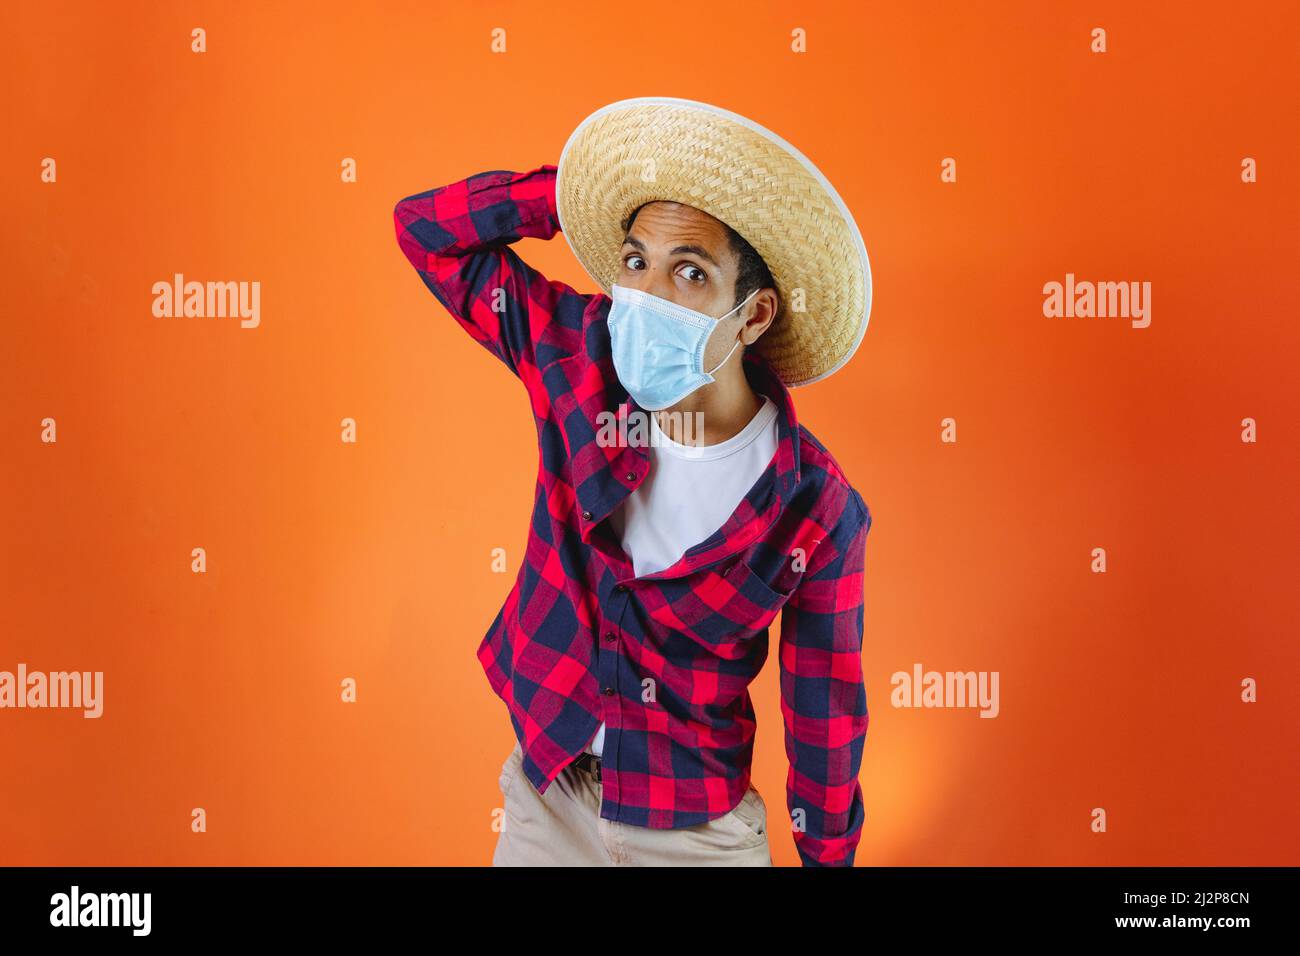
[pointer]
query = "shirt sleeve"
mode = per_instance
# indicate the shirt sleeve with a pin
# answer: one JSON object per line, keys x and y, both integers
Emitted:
{"x": 457, "y": 237}
{"x": 823, "y": 695}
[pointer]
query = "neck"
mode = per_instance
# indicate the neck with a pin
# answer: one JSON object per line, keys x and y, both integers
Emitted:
{"x": 721, "y": 408}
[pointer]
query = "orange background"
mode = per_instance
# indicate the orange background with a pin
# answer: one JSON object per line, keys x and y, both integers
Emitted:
{"x": 328, "y": 560}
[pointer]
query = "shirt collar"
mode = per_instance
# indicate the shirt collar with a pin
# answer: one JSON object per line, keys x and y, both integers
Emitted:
{"x": 780, "y": 480}
{"x": 763, "y": 380}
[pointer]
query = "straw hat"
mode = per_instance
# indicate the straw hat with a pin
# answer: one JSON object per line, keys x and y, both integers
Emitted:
{"x": 660, "y": 148}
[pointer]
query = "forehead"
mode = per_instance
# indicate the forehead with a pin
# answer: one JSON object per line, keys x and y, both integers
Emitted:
{"x": 662, "y": 222}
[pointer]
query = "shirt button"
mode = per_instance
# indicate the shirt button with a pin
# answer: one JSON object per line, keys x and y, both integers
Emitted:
{"x": 630, "y": 476}
{"x": 620, "y": 588}
{"x": 586, "y": 516}
{"x": 610, "y": 637}
{"x": 609, "y": 691}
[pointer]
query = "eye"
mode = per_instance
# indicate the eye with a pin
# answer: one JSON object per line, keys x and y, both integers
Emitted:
{"x": 692, "y": 273}
{"x": 631, "y": 262}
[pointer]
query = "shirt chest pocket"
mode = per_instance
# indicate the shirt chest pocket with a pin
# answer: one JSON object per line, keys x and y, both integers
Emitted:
{"x": 722, "y": 606}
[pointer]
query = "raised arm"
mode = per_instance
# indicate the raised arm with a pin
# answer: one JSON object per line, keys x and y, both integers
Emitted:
{"x": 457, "y": 238}
{"x": 823, "y": 695}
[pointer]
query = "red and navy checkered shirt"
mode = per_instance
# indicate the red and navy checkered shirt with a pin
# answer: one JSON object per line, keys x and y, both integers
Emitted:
{"x": 665, "y": 659}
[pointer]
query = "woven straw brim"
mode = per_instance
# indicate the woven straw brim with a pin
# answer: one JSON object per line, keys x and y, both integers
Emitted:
{"x": 657, "y": 148}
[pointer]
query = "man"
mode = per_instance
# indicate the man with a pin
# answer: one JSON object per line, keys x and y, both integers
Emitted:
{"x": 658, "y": 556}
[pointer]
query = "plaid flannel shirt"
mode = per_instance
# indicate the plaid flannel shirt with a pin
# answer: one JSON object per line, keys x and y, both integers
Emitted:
{"x": 664, "y": 659}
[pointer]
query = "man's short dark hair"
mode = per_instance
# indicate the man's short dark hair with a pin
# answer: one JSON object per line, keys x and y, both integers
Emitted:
{"x": 752, "y": 272}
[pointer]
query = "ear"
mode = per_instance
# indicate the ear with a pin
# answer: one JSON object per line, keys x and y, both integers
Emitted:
{"x": 762, "y": 310}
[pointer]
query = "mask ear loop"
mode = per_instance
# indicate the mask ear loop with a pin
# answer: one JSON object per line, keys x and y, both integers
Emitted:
{"x": 724, "y": 361}
{"x": 737, "y": 345}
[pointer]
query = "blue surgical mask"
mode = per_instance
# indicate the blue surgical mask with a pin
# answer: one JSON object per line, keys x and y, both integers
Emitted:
{"x": 658, "y": 346}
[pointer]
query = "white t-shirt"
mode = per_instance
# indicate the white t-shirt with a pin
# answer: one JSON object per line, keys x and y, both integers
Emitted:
{"x": 689, "y": 493}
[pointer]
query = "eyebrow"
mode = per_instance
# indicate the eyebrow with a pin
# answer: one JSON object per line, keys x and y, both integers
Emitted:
{"x": 677, "y": 250}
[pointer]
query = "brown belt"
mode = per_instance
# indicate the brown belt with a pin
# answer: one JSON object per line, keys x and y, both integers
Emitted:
{"x": 588, "y": 762}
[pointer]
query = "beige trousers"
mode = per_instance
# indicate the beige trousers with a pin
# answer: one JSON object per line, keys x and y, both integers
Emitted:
{"x": 563, "y": 827}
